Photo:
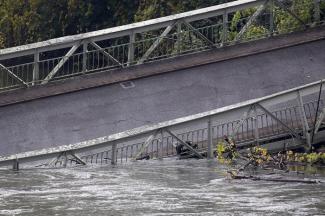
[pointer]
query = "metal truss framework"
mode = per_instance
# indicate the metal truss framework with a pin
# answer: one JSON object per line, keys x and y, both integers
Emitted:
{"x": 252, "y": 109}
{"x": 78, "y": 45}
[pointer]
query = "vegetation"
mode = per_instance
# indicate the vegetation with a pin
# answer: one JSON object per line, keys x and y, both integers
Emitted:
{"x": 311, "y": 158}
{"x": 227, "y": 153}
{"x": 258, "y": 158}
{"x": 26, "y": 21}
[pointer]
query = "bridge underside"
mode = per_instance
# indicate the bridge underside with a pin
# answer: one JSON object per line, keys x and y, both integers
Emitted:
{"x": 96, "y": 112}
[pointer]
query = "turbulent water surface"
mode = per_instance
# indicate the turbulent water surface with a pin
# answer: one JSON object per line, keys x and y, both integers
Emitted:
{"x": 167, "y": 187}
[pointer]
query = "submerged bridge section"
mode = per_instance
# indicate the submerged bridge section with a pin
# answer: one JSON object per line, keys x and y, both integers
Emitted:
{"x": 286, "y": 120}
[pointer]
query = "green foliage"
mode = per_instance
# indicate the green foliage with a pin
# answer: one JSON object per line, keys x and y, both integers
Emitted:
{"x": 2, "y": 41}
{"x": 226, "y": 153}
{"x": 150, "y": 9}
{"x": 26, "y": 21}
{"x": 221, "y": 150}
{"x": 35, "y": 20}
{"x": 188, "y": 41}
{"x": 253, "y": 32}
{"x": 259, "y": 156}
{"x": 287, "y": 23}
{"x": 311, "y": 158}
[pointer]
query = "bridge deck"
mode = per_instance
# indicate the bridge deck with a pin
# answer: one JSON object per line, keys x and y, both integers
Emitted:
{"x": 271, "y": 133}
{"x": 264, "y": 120}
{"x": 180, "y": 63}
{"x": 96, "y": 112}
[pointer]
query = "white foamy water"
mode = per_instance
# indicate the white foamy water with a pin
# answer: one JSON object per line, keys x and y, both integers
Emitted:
{"x": 167, "y": 187}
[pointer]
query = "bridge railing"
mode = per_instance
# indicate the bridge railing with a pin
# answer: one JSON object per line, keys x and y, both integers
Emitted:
{"x": 208, "y": 28}
{"x": 295, "y": 115}
{"x": 164, "y": 147}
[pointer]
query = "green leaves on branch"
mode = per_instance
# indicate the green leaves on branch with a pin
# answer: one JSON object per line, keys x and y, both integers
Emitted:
{"x": 287, "y": 23}
{"x": 30, "y": 21}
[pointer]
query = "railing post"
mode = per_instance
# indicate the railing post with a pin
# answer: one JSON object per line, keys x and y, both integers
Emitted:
{"x": 131, "y": 49}
{"x": 65, "y": 162}
{"x": 256, "y": 132}
{"x": 161, "y": 145}
{"x": 316, "y": 11}
{"x": 271, "y": 4}
{"x": 179, "y": 37}
{"x": 84, "y": 56}
{"x": 15, "y": 166}
{"x": 36, "y": 68}
{"x": 114, "y": 154}
{"x": 224, "y": 28}
{"x": 210, "y": 140}
{"x": 303, "y": 118}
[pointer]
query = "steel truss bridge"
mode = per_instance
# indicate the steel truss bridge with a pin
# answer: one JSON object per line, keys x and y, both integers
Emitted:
{"x": 288, "y": 119}
{"x": 124, "y": 46}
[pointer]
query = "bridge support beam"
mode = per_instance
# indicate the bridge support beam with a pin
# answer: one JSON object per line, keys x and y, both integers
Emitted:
{"x": 146, "y": 143}
{"x": 61, "y": 63}
{"x": 179, "y": 37}
{"x": 156, "y": 43}
{"x": 241, "y": 121}
{"x": 161, "y": 145}
{"x": 84, "y": 56}
{"x": 256, "y": 130}
{"x": 109, "y": 56}
{"x": 303, "y": 118}
{"x": 185, "y": 144}
{"x": 251, "y": 20}
{"x": 224, "y": 28}
{"x": 293, "y": 133}
{"x": 210, "y": 140}
{"x": 36, "y": 68}
{"x": 131, "y": 49}
{"x": 14, "y": 75}
{"x": 15, "y": 165}
{"x": 319, "y": 121}
{"x": 65, "y": 155}
{"x": 114, "y": 154}
{"x": 198, "y": 33}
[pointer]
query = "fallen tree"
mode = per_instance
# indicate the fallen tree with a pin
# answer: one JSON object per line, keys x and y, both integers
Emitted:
{"x": 258, "y": 158}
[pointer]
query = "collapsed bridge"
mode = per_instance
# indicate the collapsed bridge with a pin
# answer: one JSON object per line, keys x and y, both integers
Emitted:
{"x": 66, "y": 90}
{"x": 285, "y": 120}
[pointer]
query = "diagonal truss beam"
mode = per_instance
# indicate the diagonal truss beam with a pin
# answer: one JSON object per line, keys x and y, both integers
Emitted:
{"x": 199, "y": 34}
{"x": 304, "y": 121}
{"x": 251, "y": 20}
{"x": 146, "y": 143}
{"x": 320, "y": 120}
{"x": 240, "y": 123}
{"x": 281, "y": 5}
{"x": 65, "y": 154}
{"x": 100, "y": 49}
{"x": 156, "y": 43}
{"x": 13, "y": 75}
{"x": 294, "y": 133}
{"x": 61, "y": 63}
{"x": 77, "y": 158}
{"x": 185, "y": 144}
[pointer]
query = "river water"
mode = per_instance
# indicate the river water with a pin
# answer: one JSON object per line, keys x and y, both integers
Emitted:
{"x": 167, "y": 187}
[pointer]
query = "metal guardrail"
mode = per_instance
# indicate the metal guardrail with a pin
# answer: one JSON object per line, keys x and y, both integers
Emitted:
{"x": 268, "y": 129}
{"x": 252, "y": 121}
{"x": 137, "y": 43}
